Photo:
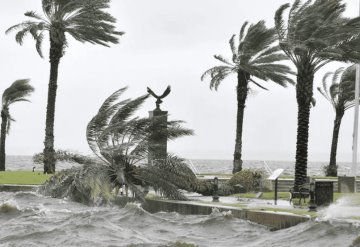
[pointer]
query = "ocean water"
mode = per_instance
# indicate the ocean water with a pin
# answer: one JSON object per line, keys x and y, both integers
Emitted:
{"x": 225, "y": 166}
{"x": 31, "y": 220}
{"x": 201, "y": 165}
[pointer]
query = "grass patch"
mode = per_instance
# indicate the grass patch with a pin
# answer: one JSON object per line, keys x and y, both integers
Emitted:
{"x": 23, "y": 177}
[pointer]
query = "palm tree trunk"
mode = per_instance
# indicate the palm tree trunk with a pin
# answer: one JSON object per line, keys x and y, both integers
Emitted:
{"x": 304, "y": 93}
{"x": 2, "y": 140}
{"x": 332, "y": 169}
{"x": 241, "y": 89}
{"x": 56, "y": 51}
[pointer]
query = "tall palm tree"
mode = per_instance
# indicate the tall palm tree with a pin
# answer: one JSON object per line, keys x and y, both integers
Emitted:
{"x": 255, "y": 56}
{"x": 341, "y": 95}
{"x": 17, "y": 92}
{"x": 121, "y": 143}
{"x": 85, "y": 21}
{"x": 314, "y": 34}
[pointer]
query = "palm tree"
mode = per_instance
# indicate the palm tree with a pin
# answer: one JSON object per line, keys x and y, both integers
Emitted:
{"x": 85, "y": 21}
{"x": 17, "y": 92}
{"x": 341, "y": 95}
{"x": 314, "y": 35}
{"x": 121, "y": 143}
{"x": 255, "y": 56}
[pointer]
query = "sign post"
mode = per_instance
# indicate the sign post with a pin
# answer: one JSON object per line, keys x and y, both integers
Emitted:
{"x": 274, "y": 176}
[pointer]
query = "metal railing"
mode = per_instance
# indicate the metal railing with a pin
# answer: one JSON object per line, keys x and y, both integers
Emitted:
{"x": 192, "y": 167}
{"x": 267, "y": 168}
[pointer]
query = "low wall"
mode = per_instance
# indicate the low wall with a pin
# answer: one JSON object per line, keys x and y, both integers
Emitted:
{"x": 17, "y": 188}
{"x": 273, "y": 220}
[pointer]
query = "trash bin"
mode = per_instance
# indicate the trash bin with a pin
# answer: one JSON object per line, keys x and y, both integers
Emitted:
{"x": 323, "y": 193}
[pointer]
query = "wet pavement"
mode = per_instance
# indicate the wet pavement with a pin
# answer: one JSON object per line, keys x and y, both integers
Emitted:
{"x": 250, "y": 203}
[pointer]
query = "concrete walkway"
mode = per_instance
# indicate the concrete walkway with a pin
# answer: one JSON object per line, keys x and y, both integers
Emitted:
{"x": 246, "y": 202}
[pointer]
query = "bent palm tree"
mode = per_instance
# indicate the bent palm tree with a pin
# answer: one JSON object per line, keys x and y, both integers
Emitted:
{"x": 314, "y": 35}
{"x": 341, "y": 95}
{"x": 256, "y": 56}
{"x": 85, "y": 21}
{"x": 121, "y": 143}
{"x": 17, "y": 92}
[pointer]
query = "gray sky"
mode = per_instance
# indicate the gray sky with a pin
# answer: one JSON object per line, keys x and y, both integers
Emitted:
{"x": 167, "y": 42}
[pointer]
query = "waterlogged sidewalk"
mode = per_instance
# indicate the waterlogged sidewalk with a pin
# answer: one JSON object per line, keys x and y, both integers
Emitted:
{"x": 346, "y": 208}
{"x": 282, "y": 206}
{"x": 254, "y": 210}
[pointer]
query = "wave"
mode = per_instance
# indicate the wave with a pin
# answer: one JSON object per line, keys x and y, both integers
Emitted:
{"x": 9, "y": 207}
{"x": 30, "y": 219}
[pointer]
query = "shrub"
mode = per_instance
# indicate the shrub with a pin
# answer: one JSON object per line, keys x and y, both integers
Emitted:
{"x": 329, "y": 171}
{"x": 248, "y": 179}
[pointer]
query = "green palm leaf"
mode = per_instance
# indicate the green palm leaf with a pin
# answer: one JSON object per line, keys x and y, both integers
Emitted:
{"x": 17, "y": 92}
{"x": 256, "y": 56}
{"x": 122, "y": 142}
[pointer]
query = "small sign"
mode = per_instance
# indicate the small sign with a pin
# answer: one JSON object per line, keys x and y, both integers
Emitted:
{"x": 276, "y": 174}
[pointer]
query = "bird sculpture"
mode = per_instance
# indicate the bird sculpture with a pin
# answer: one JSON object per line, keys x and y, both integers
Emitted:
{"x": 158, "y": 98}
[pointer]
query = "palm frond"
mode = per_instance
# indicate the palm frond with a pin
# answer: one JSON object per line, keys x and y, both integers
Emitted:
{"x": 66, "y": 156}
{"x": 271, "y": 58}
{"x": 216, "y": 70}
{"x": 39, "y": 41}
{"x": 317, "y": 31}
{"x": 233, "y": 45}
{"x": 85, "y": 20}
{"x": 241, "y": 34}
{"x": 111, "y": 99}
{"x": 18, "y": 91}
{"x": 256, "y": 54}
{"x": 34, "y": 15}
{"x": 222, "y": 59}
{"x": 259, "y": 85}
{"x": 22, "y": 26}
{"x": 340, "y": 93}
{"x": 168, "y": 176}
{"x": 279, "y": 21}
{"x": 121, "y": 142}
{"x": 257, "y": 38}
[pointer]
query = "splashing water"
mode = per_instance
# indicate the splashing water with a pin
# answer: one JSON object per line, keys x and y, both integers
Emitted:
{"x": 30, "y": 219}
{"x": 345, "y": 208}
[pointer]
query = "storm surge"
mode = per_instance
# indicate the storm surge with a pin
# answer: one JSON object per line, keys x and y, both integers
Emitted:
{"x": 30, "y": 219}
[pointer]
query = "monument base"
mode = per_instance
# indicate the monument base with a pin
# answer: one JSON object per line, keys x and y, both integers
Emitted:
{"x": 158, "y": 139}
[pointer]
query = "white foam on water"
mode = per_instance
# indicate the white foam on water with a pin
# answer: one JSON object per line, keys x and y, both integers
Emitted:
{"x": 346, "y": 207}
{"x": 9, "y": 206}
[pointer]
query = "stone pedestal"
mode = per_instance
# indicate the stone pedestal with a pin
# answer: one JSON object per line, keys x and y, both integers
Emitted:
{"x": 158, "y": 139}
{"x": 323, "y": 193}
{"x": 346, "y": 184}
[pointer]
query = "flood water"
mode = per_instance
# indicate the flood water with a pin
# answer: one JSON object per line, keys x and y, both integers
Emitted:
{"x": 29, "y": 219}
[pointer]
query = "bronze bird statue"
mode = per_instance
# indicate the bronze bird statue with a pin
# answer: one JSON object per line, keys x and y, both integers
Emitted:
{"x": 158, "y": 98}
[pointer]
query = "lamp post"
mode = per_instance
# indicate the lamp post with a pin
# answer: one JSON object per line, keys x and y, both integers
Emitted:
{"x": 312, "y": 205}
{"x": 215, "y": 190}
{"x": 356, "y": 121}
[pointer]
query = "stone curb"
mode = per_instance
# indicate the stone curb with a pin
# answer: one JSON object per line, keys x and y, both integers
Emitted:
{"x": 273, "y": 220}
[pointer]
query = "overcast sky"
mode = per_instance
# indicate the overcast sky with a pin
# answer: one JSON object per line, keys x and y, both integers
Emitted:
{"x": 167, "y": 42}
